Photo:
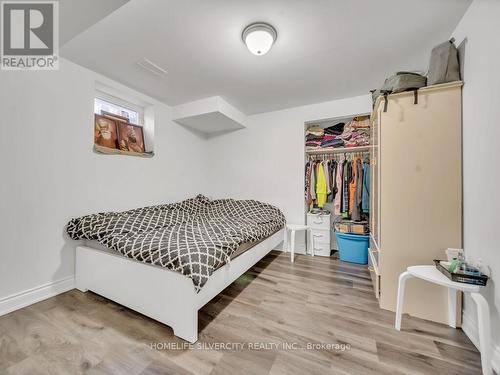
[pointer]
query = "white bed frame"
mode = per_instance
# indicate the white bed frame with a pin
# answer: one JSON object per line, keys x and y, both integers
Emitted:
{"x": 159, "y": 293}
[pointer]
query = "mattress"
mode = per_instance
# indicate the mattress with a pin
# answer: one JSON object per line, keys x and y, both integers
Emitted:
{"x": 242, "y": 248}
{"x": 194, "y": 237}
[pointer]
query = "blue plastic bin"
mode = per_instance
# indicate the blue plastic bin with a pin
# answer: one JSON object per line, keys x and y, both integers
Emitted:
{"x": 353, "y": 247}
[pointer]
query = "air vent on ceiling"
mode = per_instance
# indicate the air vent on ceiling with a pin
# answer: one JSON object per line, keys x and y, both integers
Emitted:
{"x": 151, "y": 67}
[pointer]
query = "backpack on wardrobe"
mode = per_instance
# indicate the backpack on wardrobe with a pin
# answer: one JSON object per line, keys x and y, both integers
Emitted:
{"x": 444, "y": 66}
{"x": 402, "y": 81}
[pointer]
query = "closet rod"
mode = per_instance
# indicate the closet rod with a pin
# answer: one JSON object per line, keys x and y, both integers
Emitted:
{"x": 338, "y": 150}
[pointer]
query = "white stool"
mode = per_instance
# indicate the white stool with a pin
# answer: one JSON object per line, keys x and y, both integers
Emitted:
{"x": 431, "y": 274}
{"x": 294, "y": 228}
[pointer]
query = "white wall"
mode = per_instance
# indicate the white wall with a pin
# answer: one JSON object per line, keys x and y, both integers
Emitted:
{"x": 481, "y": 134}
{"x": 50, "y": 174}
{"x": 265, "y": 161}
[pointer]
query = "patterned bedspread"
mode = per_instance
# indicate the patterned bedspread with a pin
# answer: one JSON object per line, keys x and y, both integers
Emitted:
{"x": 193, "y": 237}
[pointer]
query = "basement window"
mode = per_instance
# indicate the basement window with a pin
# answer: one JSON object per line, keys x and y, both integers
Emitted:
{"x": 104, "y": 103}
{"x": 119, "y": 126}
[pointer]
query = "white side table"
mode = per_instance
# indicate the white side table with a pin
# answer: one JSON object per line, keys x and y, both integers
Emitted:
{"x": 431, "y": 274}
{"x": 293, "y": 228}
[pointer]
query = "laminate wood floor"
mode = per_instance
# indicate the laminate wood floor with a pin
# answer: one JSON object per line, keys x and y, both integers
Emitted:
{"x": 315, "y": 316}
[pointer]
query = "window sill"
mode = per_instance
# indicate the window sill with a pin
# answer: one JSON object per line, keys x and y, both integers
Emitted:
{"x": 111, "y": 151}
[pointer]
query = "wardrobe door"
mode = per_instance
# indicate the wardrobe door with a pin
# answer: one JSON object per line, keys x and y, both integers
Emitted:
{"x": 375, "y": 181}
{"x": 421, "y": 193}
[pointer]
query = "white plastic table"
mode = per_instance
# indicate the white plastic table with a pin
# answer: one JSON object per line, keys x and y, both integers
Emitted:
{"x": 431, "y": 274}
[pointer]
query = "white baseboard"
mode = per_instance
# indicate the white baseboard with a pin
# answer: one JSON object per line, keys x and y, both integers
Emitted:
{"x": 28, "y": 297}
{"x": 469, "y": 326}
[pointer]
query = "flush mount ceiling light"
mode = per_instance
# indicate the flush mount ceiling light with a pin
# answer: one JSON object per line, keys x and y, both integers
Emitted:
{"x": 259, "y": 37}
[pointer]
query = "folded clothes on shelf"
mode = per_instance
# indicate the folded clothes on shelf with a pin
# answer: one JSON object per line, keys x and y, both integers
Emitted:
{"x": 312, "y": 137}
{"x": 356, "y": 133}
{"x": 337, "y": 142}
{"x": 336, "y": 129}
{"x": 313, "y": 143}
{"x": 315, "y": 130}
{"x": 361, "y": 122}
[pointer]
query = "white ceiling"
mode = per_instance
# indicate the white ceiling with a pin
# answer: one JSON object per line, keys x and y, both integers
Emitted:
{"x": 326, "y": 49}
{"x": 75, "y": 16}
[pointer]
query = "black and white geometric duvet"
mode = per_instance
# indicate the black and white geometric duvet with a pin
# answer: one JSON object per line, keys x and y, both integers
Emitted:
{"x": 193, "y": 237}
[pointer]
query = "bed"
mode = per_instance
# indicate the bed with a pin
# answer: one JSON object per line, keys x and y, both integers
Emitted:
{"x": 168, "y": 261}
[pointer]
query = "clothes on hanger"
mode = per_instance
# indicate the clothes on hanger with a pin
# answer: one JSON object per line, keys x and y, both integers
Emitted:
{"x": 346, "y": 178}
{"x": 308, "y": 196}
{"x": 337, "y": 204}
{"x": 365, "y": 200}
{"x": 333, "y": 183}
{"x": 321, "y": 188}
{"x": 353, "y": 183}
{"x": 341, "y": 180}
{"x": 356, "y": 190}
{"x": 326, "y": 171}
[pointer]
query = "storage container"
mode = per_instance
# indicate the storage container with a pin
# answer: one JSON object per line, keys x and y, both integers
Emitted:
{"x": 342, "y": 227}
{"x": 353, "y": 247}
{"x": 349, "y": 226}
{"x": 359, "y": 228}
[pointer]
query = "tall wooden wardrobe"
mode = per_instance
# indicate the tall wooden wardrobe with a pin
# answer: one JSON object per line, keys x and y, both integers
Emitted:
{"x": 416, "y": 193}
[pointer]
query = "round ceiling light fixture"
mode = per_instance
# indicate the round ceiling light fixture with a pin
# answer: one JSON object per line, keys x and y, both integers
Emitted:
{"x": 259, "y": 37}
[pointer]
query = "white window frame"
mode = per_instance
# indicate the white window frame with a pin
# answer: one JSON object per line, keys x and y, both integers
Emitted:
{"x": 129, "y": 99}
{"x": 122, "y": 103}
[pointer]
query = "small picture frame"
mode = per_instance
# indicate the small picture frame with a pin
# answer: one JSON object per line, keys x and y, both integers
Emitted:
{"x": 130, "y": 138}
{"x": 105, "y": 132}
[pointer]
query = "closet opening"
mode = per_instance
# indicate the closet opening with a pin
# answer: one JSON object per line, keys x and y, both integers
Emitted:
{"x": 337, "y": 185}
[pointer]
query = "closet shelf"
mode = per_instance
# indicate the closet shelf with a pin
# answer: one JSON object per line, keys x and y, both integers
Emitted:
{"x": 337, "y": 150}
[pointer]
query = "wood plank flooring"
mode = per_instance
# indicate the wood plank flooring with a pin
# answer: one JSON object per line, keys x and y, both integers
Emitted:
{"x": 315, "y": 316}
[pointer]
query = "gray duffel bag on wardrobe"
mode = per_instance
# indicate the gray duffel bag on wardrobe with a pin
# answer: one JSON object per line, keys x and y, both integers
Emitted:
{"x": 404, "y": 81}
{"x": 401, "y": 81}
{"x": 444, "y": 66}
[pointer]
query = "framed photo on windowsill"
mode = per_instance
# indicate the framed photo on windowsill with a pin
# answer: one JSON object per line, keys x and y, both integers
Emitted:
{"x": 130, "y": 138}
{"x": 118, "y": 138}
{"x": 105, "y": 132}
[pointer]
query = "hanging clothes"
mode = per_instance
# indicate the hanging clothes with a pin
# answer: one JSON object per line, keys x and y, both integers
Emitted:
{"x": 307, "y": 192}
{"x": 321, "y": 188}
{"x": 312, "y": 187}
{"x": 337, "y": 205}
{"x": 359, "y": 186}
{"x": 346, "y": 178}
{"x": 326, "y": 169}
{"x": 310, "y": 183}
{"x": 341, "y": 181}
{"x": 353, "y": 185}
{"x": 333, "y": 182}
{"x": 365, "y": 200}
{"x": 356, "y": 189}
